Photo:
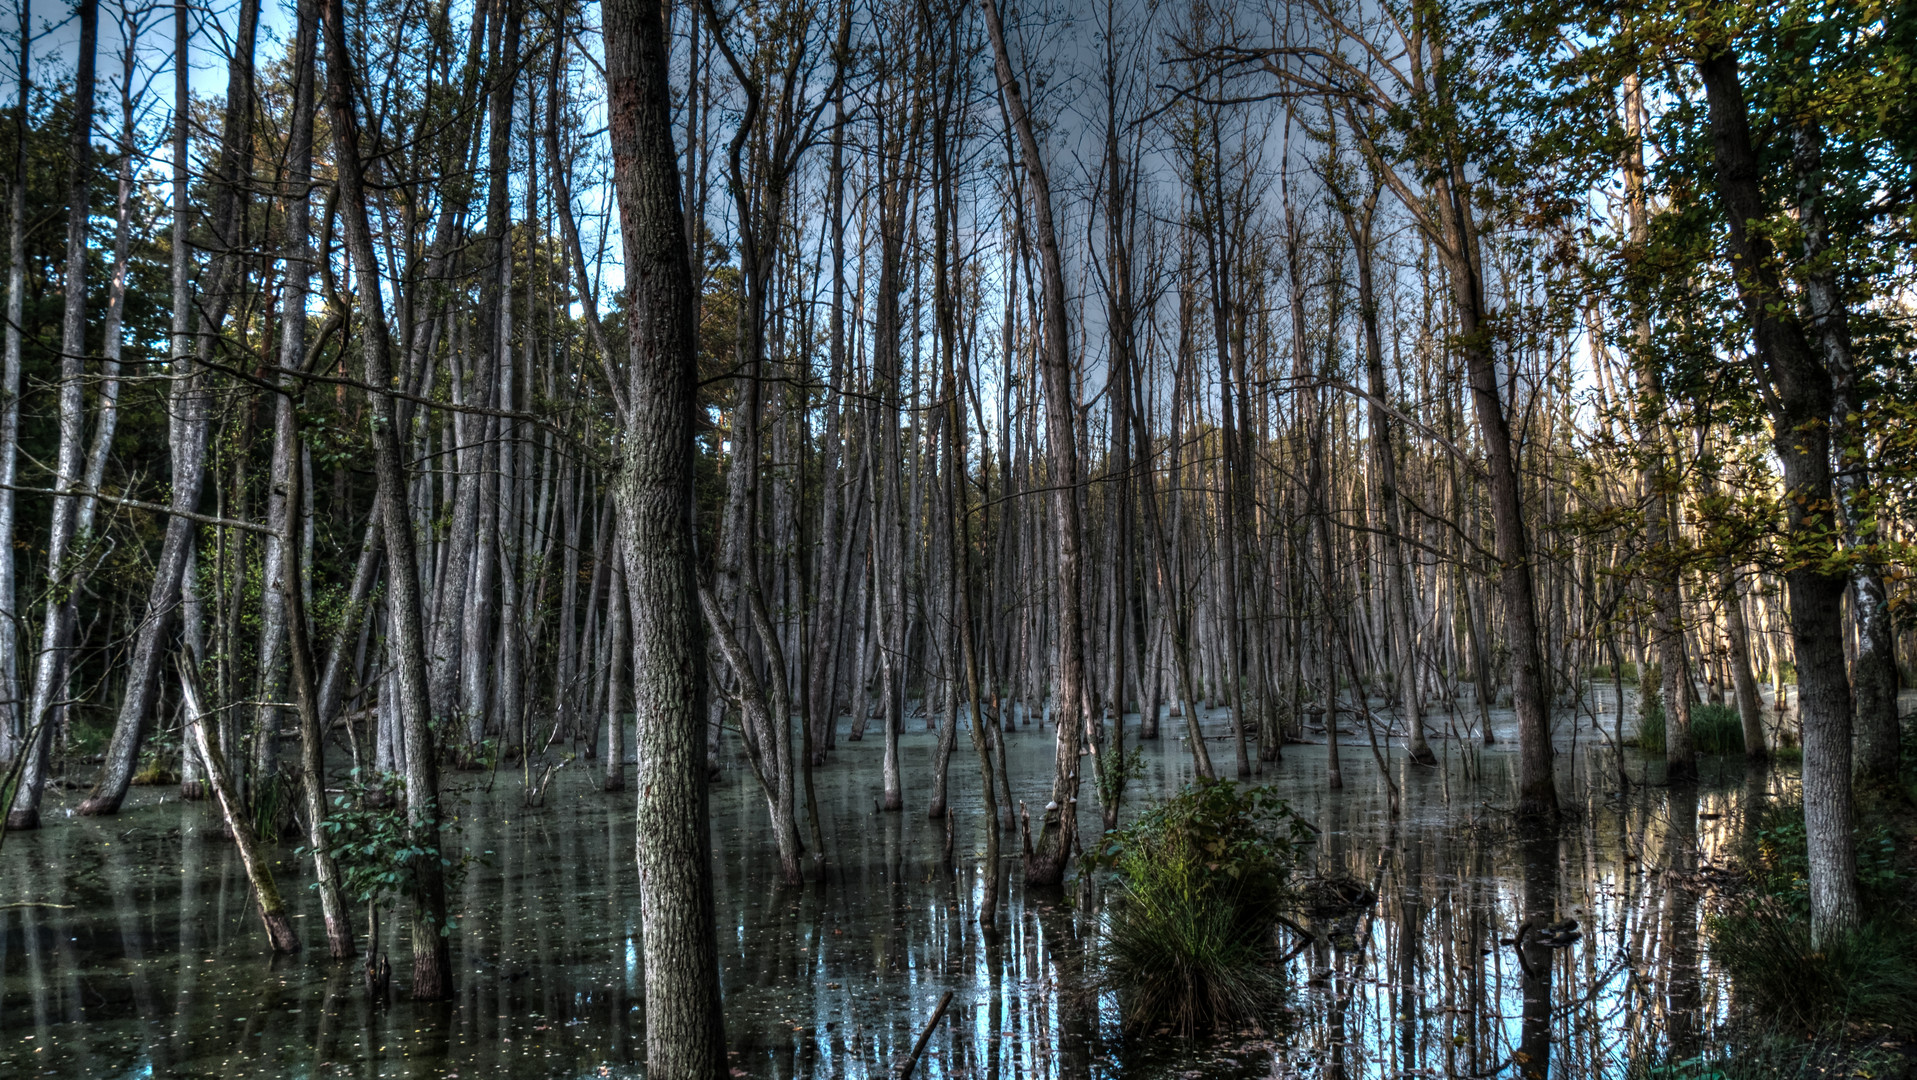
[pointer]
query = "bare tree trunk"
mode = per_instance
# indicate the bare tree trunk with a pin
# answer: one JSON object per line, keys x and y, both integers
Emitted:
{"x": 1046, "y": 864}
{"x": 281, "y": 508}
{"x": 1397, "y": 560}
{"x": 12, "y": 723}
{"x": 616, "y": 646}
{"x": 432, "y": 962}
{"x": 1750, "y": 704}
{"x": 685, "y": 1028}
{"x": 188, "y": 413}
{"x": 47, "y": 704}
{"x": 339, "y": 925}
{"x": 266, "y": 894}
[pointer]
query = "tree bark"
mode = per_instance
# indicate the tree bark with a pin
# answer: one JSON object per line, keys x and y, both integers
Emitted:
{"x": 685, "y": 1028}
{"x": 1800, "y": 398}
{"x": 12, "y": 724}
{"x": 266, "y": 894}
{"x": 1046, "y": 864}
{"x": 46, "y": 705}
{"x": 432, "y": 961}
{"x": 189, "y": 408}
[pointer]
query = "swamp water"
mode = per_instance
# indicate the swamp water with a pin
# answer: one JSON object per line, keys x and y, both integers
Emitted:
{"x": 158, "y": 966}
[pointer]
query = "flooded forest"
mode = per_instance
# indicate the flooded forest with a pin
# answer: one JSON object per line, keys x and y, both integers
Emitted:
{"x": 805, "y": 539}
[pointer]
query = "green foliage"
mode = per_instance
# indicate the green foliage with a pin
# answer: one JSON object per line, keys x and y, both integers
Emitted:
{"x": 1772, "y": 1056}
{"x": 1202, "y": 878}
{"x": 1650, "y": 723}
{"x": 271, "y": 805}
{"x": 373, "y": 846}
{"x": 1762, "y": 938}
{"x": 1602, "y": 672}
{"x": 1115, "y": 777}
{"x": 1777, "y": 857}
{"x": 1717, "y": 729}
{"x": 1866, "y": 977}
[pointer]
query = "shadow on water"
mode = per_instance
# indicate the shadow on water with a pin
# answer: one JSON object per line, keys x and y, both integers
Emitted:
{"x": 154, "y": 965}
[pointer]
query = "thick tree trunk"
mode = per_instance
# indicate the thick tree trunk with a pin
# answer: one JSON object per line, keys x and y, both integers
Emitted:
{"x": 1537, "y": 791}
{"x": 685, "y": 1028}
{"x": 1802, "y": 398}
{"x": 1874, "y": 667}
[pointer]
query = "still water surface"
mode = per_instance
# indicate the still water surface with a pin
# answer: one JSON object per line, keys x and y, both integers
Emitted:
{"x": 159, "y": 968}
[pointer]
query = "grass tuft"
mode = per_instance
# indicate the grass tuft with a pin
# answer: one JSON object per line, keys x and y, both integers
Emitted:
{"x": 1715, "y": 729}
{"x": 1189, "y": 938}
{"x": 1867, "y": 977}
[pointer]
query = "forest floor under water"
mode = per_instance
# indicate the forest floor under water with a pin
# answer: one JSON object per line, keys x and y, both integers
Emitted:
{"x": 154, "y": 965}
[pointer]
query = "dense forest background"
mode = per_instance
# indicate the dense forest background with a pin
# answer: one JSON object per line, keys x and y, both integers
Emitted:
{"x": 1055, "y": 364}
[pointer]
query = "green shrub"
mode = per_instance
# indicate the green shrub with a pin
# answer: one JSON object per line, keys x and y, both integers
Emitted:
{"x": 1762, "y": 938}
{"x": 1867, "y": 977}
{"x": 1717, "y": 729}
{"x": 1771, "y": 1055}
{"x": 372, "y": 844}
{"x": 1650, "y": 721}
{"x": 1627, "y": 672}
{"x": 1201, "y": 879}
{"x": 1777, "y": 857}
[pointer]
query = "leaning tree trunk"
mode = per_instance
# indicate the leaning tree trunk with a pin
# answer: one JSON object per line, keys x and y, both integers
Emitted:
{"x": 339, "y": 926}
{"x": 49, "y": 690}
{"x": 266, "y": 894}
{"x": 189, "y": 409}
{"x": 432, "y": 960}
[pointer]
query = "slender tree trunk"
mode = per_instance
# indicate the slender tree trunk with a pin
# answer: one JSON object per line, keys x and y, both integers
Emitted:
{"x": 616, "y": 646}
{"x": 1046, "y": 865}
{"x": 432, "y": 961}
{"x": 266, "y": 894}
{"x": 339, "y": 925}
{"x": 281, "y": 509}
{"x": 12, "y": 724}
{"x": 47, "y": 704}
{"x": 1750, "y": 704}
{"x": 1397, "y": 559}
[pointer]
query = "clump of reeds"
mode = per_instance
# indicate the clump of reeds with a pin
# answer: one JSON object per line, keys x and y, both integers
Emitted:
{"x": 1189, "y": 939}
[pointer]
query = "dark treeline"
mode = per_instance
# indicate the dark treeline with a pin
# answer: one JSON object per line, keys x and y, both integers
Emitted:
{"x": 455, "y": 381}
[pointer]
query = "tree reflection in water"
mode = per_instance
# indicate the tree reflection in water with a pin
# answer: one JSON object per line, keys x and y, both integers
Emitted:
{"x": 158, "y": 965}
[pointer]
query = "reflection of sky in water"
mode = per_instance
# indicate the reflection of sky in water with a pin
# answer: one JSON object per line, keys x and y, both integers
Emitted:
{"x": 159, "y": 967}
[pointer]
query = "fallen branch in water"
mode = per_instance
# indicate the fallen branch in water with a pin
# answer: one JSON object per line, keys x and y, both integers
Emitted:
{"x": 35, "y": 904}
{"x": 925, "y": 1036}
